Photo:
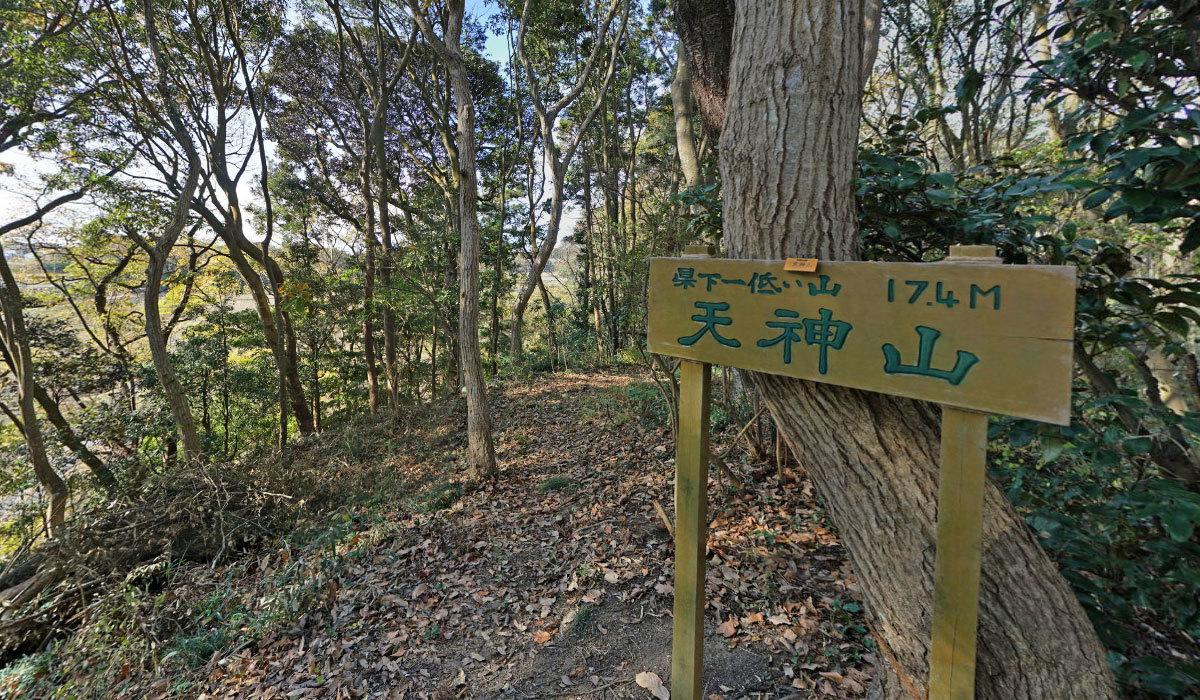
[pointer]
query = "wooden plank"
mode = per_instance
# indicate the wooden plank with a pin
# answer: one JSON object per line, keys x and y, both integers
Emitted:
{"x": 691, "y": 524}
{"x": 959, "y": 549}
{"x": 990, "y": 337}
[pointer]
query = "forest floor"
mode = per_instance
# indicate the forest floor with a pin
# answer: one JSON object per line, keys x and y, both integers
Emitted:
{"x": 552, "y": 582}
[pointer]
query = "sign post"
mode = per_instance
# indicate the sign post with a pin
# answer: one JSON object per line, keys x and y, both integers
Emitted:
{"x": 959, "y": 547}
{"x": 969, "y": 333}
{"x": 691, "y": 526}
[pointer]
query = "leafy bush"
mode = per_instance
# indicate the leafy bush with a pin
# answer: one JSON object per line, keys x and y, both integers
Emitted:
{"x": 1110, "y": 496}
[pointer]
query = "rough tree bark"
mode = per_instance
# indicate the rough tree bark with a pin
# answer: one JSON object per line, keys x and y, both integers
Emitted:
{"x": 705, "y": 30}
{"x": 480, "y": 450}
{"x": 788, "y": 149}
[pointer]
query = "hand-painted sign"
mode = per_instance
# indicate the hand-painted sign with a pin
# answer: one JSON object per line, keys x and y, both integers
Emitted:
{"x": 968, "y": 333}
{"x": 982, "y": 336}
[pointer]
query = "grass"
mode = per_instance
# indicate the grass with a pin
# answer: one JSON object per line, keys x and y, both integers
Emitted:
{"x": 167, "y": 624}
{"x": 195, "y": 650}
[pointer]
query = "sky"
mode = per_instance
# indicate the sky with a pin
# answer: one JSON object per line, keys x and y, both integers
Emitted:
{"x": 497, "y": 45}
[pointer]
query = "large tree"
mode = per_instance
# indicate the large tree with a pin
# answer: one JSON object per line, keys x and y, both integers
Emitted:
{"x": 789, "y": 137}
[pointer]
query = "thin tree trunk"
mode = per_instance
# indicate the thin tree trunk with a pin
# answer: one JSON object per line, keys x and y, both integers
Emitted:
{"x": 788, "y": 152}
{"x": 382, "y": 92}
{"x": 157, "y": 254}
{"x": 538, "y": 264}
{"x": 16, "y": 341}
{"x": 685, "y": 135}
{"x": 480, "y": 450}
{"x": 67, "y": 435}
{"x": 494, "y": 337}
{"x": 558, "y": 159}
{"x": 368, "y": 324}
{"x": 276, "y": 326}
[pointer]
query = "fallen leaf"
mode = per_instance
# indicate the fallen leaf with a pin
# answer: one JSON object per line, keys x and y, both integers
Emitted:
{"x": 542, "y": 636}
{"x": 650, "y": 681}
{"x": 727, "y": 628}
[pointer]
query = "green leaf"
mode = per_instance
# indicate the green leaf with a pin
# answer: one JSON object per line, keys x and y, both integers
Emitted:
{"x": 967, "y": 88}
{"x": 1138, "y": 445}
{"x": 939, "y": 196}
{"x": 1097, "y": 198}
{"x": 945, "y": 180}
{"x": 1178, "y": 523}
{"x": 1052, "y": 448}
{"x": 1138, "y": 199}
{"x": 1096, "y": 40}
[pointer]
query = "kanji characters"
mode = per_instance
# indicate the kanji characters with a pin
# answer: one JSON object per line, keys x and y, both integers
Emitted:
{"x": 711, "y": 320}
{"x": 787, "y": 336}
{"x": 823, "y": 332}
{"x": 685, "y": 277}
{"x": 929, "y": 337}
{"x": 814, "y": 290}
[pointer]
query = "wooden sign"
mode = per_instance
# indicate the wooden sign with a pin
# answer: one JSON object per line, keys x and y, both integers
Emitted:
{"x": 990, "y": 337}
{"x": 969, "y": 333}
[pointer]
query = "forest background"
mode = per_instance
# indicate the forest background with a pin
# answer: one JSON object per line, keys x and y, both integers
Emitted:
{"x": 230, "y": 225}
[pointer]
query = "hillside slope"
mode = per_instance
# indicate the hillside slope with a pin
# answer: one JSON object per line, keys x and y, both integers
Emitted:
{"x": 555, "y": 581}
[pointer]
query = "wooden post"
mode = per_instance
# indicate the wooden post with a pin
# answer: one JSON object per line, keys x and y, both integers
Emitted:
{"x": 691, "y": 521}
{"x": 959, "y": 548}
{"x": 961, "y": 482}
{"x": 691, "y": 525}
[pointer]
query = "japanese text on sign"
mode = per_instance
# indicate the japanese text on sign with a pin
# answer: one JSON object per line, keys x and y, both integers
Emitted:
{"x": 990, "y": 337}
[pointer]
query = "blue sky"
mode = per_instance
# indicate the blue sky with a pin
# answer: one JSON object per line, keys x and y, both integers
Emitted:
{"x": 497, "y": 46}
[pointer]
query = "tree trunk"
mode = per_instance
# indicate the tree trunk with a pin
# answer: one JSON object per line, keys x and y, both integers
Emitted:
{"x": 390, "y": 366}
{"x": 541, "y": 256}
{"x": 66, "y": 434}
{"x": 788, "y": 152}
{"x": 16, "y": 341}
{"x": 157, "y": 253}
{"x": 368, "y": 324}
{"x": 480, "y": 451}
{"x": 494, "y": 337}
{"x": 706, "y": 36}
{"x": 69, "y": 438}
{"x": 685, "y": 135}
{"x": 276, "y": 325}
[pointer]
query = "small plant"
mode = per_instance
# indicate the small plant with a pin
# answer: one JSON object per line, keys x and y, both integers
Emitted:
{"x": 554, "y": 483}
{"x": 647, "y": 403}
{"x": 196, "y": 650}
{"x": 584, "y": 620}
{"x": 442, "y": 496}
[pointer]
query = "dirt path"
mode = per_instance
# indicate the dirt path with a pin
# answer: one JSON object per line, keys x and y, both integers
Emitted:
{"x": 556, "y": 581}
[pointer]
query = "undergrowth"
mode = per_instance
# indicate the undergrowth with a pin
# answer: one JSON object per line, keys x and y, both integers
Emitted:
{"x": 205, "y": 561}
